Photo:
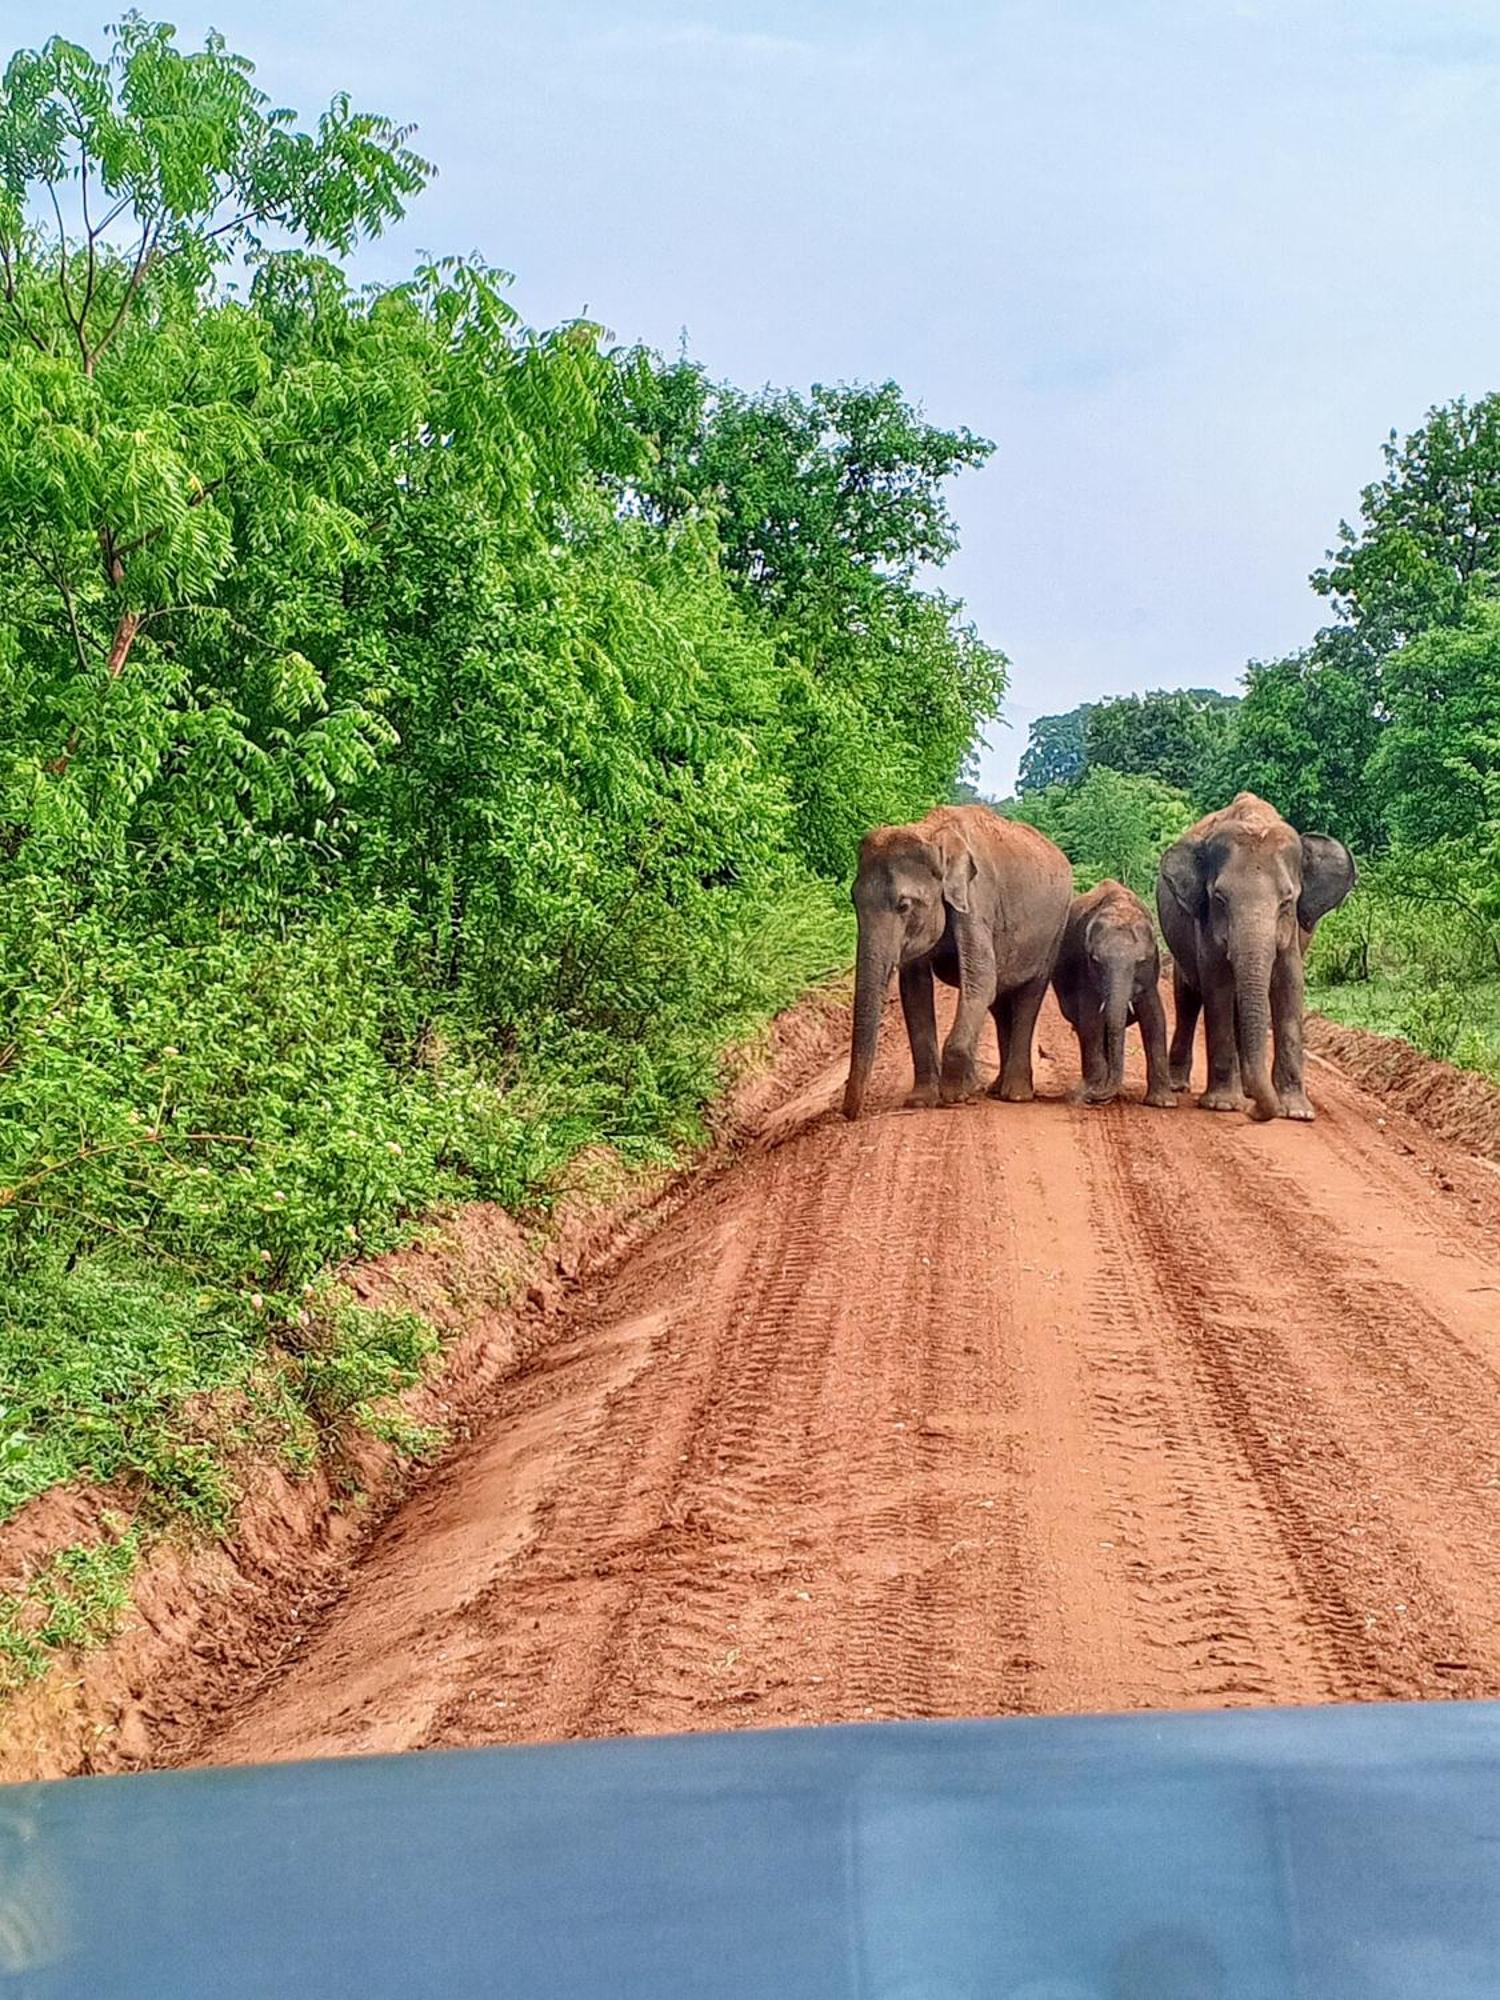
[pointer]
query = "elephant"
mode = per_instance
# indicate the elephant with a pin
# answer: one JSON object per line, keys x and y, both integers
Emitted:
{"x": 1108, "y": 973}
{"x": 979, "y": 901}
{"x": 1239, "y": 897}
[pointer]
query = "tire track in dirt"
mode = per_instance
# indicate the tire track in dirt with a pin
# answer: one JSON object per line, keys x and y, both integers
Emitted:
{"x": 1014, "y": 1408}
{"x": 1364, "y": 1410}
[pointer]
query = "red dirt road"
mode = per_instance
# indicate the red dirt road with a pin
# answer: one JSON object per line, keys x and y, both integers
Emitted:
{"x": 1012, "y": 1408}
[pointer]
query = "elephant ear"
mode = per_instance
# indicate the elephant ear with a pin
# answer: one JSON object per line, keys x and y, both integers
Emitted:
{"x": 1181, "y": 874}
{"x": 956, "y": 866}
{"x": 1328, "y": 874}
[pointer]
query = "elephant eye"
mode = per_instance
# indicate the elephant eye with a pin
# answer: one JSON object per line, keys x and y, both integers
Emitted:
{"x": 903, "y": 904}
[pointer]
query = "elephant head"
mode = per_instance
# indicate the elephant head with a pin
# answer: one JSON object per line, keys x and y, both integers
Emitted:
{"x": 906, "y": 885}
{"x": 1117, "y": 944}
{"x": 1256, "y": 889}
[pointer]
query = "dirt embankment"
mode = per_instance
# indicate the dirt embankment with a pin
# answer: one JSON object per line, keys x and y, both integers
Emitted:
{"x": 1451, "y": 1103}
{"x": 204, "y": 1617}
{"x": 1013, "y": 1408}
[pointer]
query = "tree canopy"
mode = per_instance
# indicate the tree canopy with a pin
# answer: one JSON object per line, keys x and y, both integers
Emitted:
{"x": 1173, "y": 734}
{"x": 1056, "y": 749}
{"x": 826, "y": 507}
{"x": 1428, "y": 536}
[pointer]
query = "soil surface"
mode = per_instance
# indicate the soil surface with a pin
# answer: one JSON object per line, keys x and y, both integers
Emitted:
{"x": 1009, "y": 1408}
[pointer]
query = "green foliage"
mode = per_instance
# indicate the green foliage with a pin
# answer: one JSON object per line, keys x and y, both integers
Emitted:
{"x": 825, "y": 507}
{"x": 1416, "y": 954}
{"x": 353, "y": 1359}
{"x": 1303, "y": 737}
{"x": 1438, "y": 762}
{"x": 1427, "y": 962}
{"x": 1056, "y": 750}
{"x": 1172, "y": 735}
{"x": 1112, "y": 826}
{"x": 1175, "y": 735}
{"x": 808, "y": 491}
{"x": 1429, "y": 532}
{"x": 74, "y": 1598}
{"x": 425, "y": 742}
{"x": 149, "y": 441}
{"x": 98, "y": 1364}
{"x": 1454, "y": 1020}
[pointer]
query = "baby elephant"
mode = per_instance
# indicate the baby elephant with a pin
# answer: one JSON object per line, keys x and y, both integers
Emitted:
{"x": 1106, "y": 976}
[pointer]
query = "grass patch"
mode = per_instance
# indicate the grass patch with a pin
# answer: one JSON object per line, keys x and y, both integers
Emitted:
{"x": 74, "y": 1600}
{"x": 97, "y": 1365}
{"x": 1455, "y": 1021}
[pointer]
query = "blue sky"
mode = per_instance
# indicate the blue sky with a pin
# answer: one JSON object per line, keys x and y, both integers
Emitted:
{"x": 1185, "y": 261}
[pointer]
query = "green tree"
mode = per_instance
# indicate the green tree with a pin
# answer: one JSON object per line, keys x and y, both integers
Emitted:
{"x": 1436, "y": 774}
{"x": 1055, "y": 750}
{"x": 1438, "y": 760}
{"x": 827, "y": 506}
{"x": 1174, "y": 735}
{"x": 1112, "y": 825}
{"x": 1428, "y": 536}
{"x": 139, "y": 427}
{"x": 809, "y": 492}
{"x": 1303, "y": 737}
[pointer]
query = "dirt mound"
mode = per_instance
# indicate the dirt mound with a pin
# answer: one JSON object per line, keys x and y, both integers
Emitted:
{"x": 1453, "y": 1103}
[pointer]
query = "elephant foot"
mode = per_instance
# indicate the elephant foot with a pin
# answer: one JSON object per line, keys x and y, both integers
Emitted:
{"x": 1162, "y": 1098}
{"x": 958, "y": 1090}
{"x": 921, "y": 1098}
{"x": 1221, "y": 1100}
{"x": 1093, "y": 1093}
{"x": 1013, "y": 1089}
{"x": 1182, "y": 1079}
{"x": 1296, "y": 1104}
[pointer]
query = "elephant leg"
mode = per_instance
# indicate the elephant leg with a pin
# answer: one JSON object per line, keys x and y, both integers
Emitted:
{"x": 1000, "y": 1015}
{"x": 1223, "y": 1092}
{"x": 1187, "y": 1004}
{"x": 1151, "y": 1019}
{"x": 976, "y": 995}
{"x": 1022, "y": 1007}
{"x": 1286, "y": 1019}
{"x": 921, "y": 1030}
{"x": 1094, "y": 1086}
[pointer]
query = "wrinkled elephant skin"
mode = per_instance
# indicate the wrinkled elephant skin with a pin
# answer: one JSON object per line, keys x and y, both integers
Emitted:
{"x": 978, "y": 902}
{"x": 1239, "y": 897}
{"x": 1108, "y": 974}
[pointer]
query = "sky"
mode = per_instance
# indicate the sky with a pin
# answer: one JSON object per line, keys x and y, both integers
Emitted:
{"x": 1186, "y": 262}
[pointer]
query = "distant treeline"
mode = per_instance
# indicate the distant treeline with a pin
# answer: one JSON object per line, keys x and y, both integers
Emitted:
{"x": 1384, "y": 730}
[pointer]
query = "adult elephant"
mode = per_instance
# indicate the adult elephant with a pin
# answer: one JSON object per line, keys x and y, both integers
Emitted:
{"x": 977, "y": 901}
{"x": 1239, "y": 897}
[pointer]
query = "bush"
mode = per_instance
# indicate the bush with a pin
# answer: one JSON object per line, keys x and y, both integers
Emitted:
{"x": 1111, "y": 825}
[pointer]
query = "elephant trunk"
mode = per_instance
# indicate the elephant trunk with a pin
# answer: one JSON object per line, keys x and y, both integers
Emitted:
{"x": 1118, "y": 984}
{"x": 1252, "y": 1028}
{"x": 872, "y": 977}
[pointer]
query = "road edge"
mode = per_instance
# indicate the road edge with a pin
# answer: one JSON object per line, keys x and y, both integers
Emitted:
{"x": 214, "y": 1616}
